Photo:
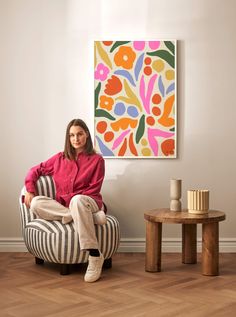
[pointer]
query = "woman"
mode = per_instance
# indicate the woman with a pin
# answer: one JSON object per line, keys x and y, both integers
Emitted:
{"x": 78, "y": 173}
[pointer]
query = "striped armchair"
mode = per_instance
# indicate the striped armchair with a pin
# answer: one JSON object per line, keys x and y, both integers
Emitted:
{"x": 52, "y": 241}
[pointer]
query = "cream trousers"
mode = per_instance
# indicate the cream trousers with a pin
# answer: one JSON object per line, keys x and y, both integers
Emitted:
{"x": 81, "y": 210}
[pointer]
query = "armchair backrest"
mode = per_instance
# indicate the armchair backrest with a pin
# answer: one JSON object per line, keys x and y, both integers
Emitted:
{"x": 45, "y": 187}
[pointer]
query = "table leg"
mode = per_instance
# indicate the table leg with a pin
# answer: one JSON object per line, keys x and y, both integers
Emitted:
{"x": 153, "y": 246}
{"x": 189, "y": 243}
{"x": 210, "y": 248}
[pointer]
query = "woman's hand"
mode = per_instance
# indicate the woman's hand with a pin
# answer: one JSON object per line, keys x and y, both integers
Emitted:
{"x": 28, "y": 198}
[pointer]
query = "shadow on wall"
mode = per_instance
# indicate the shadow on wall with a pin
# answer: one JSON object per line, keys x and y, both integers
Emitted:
{"x": 141, "y": 187}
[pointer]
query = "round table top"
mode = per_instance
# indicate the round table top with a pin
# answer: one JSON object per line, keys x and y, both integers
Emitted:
{"x": 165, "y": 215}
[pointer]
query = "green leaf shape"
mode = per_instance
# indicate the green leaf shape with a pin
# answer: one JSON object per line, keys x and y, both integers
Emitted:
{"x": 117, "y": 44}
{"x": 131, "y": 96}
{"x": 104, "y": 113}
{"x": 103, "y": 54}
{"x": 172, "y": 129}
{"x": 169, "y": 58}
{"x": 141, "y": 128}
{"x": 170, "y": 46}
{"x": 97, "y": 91}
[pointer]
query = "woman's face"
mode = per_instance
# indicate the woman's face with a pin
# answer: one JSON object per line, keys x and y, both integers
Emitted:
{"x": 78, "y": 138}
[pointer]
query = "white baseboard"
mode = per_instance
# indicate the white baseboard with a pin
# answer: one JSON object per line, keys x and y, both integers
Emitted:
{"x": 173, "y": 245}
{"x": 12, "y": 245}
{"x": 169, "y": 245}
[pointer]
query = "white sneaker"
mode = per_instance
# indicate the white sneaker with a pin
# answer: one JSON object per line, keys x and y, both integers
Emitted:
{"x": 94, "y": 269}
{"x": 99, "y": 218}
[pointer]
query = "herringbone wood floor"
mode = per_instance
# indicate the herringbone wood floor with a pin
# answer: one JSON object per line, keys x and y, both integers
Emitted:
{"x": 28, "y": 290}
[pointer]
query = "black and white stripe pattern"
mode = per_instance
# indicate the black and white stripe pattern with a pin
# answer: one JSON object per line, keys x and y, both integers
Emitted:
{"x": 54, "y": 242}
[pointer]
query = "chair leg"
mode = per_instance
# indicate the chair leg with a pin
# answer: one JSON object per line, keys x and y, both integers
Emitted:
{"x": 64, "y": 269}
{"x": 39, "y": 261}
{"x": 107, "y": 263}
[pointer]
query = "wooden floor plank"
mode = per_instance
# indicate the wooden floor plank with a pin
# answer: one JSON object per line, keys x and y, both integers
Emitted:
{"x": 27, "y": 289}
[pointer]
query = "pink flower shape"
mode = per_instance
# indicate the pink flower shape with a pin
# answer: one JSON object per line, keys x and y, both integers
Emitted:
{"x": 154, "y": 45}
{"x": 140, "y": 45}
{"x": 101, "y": 72}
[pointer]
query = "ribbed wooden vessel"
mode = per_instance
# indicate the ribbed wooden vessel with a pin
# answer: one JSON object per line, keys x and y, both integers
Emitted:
{"x": 198, "y": 201}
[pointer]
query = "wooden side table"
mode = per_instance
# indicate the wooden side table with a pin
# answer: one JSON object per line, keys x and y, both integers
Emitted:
{"x": 210, "y": 237}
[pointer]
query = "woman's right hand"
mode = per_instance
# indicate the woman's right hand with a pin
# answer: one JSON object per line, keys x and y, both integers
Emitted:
{"x": 28, "y": 198}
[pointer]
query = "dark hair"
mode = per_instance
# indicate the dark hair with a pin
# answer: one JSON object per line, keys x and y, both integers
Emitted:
{"x": 69, "y": 151}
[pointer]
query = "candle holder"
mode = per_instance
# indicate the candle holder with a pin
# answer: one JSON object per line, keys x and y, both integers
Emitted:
{"x": 175, "y": 194}
{"x": 198, "y": 201}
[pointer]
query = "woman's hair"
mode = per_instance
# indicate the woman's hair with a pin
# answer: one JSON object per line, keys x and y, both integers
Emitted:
{"x": 69, "y": 151}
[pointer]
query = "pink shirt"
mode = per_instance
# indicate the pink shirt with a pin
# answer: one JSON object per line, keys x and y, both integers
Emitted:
{"x": 83, "y": 176}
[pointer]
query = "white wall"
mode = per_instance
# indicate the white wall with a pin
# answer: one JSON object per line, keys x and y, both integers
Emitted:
{"x": 45, "y": 81}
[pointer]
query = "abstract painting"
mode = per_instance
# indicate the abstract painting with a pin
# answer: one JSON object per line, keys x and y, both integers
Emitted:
{"x": 135, "y": 98}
